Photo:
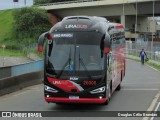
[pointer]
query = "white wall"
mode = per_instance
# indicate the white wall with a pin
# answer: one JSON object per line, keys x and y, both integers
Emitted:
{"x": 142, "y": 23}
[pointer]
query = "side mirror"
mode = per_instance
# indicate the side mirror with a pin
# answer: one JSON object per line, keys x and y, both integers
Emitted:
{"x": 40, "y": 48}
{"x": 106, "y": 50}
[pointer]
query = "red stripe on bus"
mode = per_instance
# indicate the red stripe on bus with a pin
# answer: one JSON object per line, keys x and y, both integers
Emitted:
{"x": 80, "y": 100}
{"x": 65, "y": 85}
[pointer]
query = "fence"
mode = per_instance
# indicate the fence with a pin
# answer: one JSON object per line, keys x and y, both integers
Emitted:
{"x": 16, "y": 70}
{"x": 134, "y": 48}
{"x": 151, "y": 55}
{"x": 139, "y": 44}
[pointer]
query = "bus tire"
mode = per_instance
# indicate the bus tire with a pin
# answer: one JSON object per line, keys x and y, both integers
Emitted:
{"x": 119, "y": 86}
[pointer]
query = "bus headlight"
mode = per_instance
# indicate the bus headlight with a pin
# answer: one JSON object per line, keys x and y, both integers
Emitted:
{"x": 98, "y": 90}
{"x": 49, "y": 89}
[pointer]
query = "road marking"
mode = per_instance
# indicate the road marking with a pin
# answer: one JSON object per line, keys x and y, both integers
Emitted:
{"x": 156, "y": 110}
{"x": 141, "y": 83}
{"x": 153, "y": 104}
{"x": 141, "y": 89}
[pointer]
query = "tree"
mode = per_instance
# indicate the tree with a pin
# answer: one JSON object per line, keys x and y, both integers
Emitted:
{"x": 30, "y": 22}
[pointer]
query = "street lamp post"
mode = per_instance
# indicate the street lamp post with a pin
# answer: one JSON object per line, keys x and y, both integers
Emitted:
{"x": 25, "y": 2}
{"x": 3, "y": 46}
{"x": 136, "y": 22}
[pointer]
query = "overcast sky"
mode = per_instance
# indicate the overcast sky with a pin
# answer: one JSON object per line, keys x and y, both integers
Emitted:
{"x": 8, "y": 4}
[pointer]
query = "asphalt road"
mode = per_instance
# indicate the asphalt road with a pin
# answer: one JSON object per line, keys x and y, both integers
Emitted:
{"x": 139, "y": 90}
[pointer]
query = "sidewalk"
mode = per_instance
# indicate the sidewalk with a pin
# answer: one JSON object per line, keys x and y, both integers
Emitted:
{"x": 156, "y": 105}
{"x": 33, "y": 56}
{"x": 10, "y": 61}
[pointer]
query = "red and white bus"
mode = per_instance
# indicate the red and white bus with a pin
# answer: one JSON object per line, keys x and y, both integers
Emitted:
{"x": 84, "y": 60}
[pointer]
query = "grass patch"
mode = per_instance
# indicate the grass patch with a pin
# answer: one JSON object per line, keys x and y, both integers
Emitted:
{"x": 8, "y": 52}
{"x": 157, "y": 67}
{"x": 6, "y": 35}
{"x": 41, "y": 55}
{"x": 6, "y": 24}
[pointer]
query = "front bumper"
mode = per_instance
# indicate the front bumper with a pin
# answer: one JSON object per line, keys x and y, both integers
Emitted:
{"x": 80, "y": 100}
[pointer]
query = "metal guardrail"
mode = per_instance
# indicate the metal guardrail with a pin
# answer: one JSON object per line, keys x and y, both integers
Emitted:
{"x": 11, "y": 71}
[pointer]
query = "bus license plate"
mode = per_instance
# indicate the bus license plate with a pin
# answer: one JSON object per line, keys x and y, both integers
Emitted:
{"x": 73, "y": 97}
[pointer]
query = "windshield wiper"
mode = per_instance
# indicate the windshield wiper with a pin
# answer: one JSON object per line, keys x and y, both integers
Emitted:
{"x": 60, "y": 73}
{"x": 68, "y": 61}
{"x": 84, "y": 66}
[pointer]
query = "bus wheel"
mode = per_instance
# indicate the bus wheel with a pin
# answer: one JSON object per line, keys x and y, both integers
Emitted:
{"x": 119, "y": 87}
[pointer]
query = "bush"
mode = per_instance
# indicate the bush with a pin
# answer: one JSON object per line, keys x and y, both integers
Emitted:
{"x": 30, "y": 22}
{"x": 43, "y": 1}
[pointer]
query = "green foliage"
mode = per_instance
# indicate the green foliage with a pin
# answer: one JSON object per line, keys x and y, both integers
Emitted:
{"x": 8, "y": 52}
{"x": 6, "y": 24}
{"x": 43, "y": 1}
{"x": 29, "y": 23}
{"x": 20, "y": 29}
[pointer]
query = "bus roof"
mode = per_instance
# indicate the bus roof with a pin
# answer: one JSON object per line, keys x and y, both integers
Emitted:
{"x": 82, "y": 23}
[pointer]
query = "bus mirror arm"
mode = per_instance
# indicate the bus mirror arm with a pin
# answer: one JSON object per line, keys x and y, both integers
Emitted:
{"x": 106, "y": 44}
{"x": 107, "y": 47}
{"x": 102, "y": 45}
{"x": 41, "y": 41}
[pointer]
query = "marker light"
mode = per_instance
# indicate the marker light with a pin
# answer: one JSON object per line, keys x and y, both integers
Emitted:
{"x": 50, "y": 37}
{"x": 47, "y": 95}
{"x": 98, "y": 90}
{"x": 100, "y": 97}
{"x": 49, "y": 89}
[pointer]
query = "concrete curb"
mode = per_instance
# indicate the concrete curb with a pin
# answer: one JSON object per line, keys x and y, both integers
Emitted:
{"x": 12, "y": 84}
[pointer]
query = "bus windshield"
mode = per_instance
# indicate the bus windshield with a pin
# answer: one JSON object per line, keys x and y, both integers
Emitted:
{"x": 76, "y": 52}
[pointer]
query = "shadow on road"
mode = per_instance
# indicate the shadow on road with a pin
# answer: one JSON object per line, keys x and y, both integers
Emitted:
{"x": 78, "y": 107}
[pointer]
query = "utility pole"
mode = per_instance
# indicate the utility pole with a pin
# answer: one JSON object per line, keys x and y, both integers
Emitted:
{"x": 152, "y": 31}
{"x": 136, "y": 22}
{"x": 15, "y": 1}
{"x": 3, "y": 46}
{"x": 123, "y": 12}
{"x": 25, "y": 2}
